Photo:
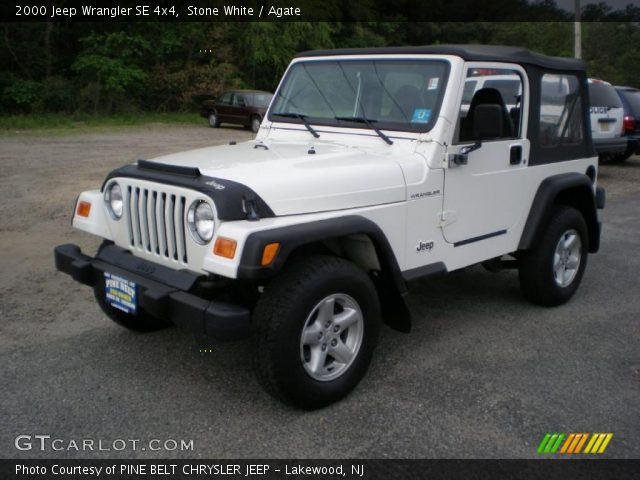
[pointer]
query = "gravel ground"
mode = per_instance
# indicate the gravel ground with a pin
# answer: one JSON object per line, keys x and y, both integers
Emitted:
{"x": 484, "y": 374}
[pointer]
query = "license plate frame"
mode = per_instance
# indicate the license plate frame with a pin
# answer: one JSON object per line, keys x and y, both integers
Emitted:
{"x": 121, "y": 293}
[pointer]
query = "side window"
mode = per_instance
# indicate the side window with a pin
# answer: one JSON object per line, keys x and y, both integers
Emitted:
{"x": 491, "y": 107}
{"x": 469, "y": 90}
{"x": 226, "y": 98}
{"x": 561, "y": 120}
{"x": 239, "y": 101}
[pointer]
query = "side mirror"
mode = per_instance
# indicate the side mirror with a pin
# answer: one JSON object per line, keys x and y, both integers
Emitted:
{"x": 462, "y": 158}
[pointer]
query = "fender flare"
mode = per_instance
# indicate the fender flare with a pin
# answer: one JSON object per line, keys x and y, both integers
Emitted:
{"x": 295, "y": 236}
{"x": 551, "y": 192}
{"x": 391, "y": 285}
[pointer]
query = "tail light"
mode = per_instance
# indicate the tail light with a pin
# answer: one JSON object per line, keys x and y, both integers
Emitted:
{"x": 629, "y": 123}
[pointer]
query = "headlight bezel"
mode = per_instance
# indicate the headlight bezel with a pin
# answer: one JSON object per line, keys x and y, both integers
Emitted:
{"x": 192, "y": 221}
{"x": 109, "y": 200}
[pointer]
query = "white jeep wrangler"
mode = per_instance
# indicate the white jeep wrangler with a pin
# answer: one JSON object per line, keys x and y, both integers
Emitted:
{"x": 368, "y": 171}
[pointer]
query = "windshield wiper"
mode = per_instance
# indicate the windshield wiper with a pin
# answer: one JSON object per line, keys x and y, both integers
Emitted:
{"x": 369, "y": 123}
{"x": 302, "y": 117}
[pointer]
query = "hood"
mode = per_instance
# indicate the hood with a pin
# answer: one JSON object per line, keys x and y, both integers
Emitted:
{"x": 293, "y": 181}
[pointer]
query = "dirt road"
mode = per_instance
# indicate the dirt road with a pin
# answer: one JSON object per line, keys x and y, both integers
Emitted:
{"x": 483, "y": 374}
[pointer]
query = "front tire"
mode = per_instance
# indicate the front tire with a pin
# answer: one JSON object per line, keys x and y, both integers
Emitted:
{"x": 315, "y": 329}
{"x": 551, "y": 271}
{"x": 214, "y": 121}
{"x": 255, "y": 124}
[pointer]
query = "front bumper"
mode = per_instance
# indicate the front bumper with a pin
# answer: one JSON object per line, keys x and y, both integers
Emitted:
{"x": 162, "y": 292}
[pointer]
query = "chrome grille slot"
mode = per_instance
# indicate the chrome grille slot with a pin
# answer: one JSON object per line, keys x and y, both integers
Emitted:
{"x": 142, "y": 215}
{"x": 155, "y": 222}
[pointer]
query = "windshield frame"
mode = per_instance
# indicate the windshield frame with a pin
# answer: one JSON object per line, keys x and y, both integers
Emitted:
{"x": 418, "y": 128}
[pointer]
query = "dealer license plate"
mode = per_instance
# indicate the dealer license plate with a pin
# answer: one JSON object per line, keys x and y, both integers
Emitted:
{"x": 120, "y": 293}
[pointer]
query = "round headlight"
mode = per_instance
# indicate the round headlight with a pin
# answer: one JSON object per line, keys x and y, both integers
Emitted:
{"x": 113, "y": 197}
{"x": 200, "y": 221}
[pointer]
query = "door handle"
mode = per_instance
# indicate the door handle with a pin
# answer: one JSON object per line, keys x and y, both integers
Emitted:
{"x": 515, "y": 155}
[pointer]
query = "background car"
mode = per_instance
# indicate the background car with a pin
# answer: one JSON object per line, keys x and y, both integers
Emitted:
{"x": 631, "y": 103}
{"x": 606, "y": 113}
{"x": 240, "y": 107}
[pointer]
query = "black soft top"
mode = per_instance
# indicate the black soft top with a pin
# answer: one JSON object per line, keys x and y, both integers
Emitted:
{"x": 482, "y": 53}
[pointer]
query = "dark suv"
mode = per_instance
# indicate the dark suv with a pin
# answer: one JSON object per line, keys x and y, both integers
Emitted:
{"x": 631, "y": 102}
{"x": 240, "y": 107}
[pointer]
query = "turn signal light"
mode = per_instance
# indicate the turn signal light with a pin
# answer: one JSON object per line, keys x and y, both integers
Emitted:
{"x": 225, "y": 247}
{"x": 269, "y": 253}
{"x": 83, "y": 209}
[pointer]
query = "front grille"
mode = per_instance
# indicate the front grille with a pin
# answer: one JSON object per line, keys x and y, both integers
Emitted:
{"x": 155, "y": 222}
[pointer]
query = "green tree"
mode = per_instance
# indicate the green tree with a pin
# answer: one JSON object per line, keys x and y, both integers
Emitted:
{"x": 265, "y": 48}
{"x": 112, "y": 63}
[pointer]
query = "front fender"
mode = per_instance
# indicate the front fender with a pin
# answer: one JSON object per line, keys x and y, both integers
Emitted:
{"x": 96, "y": 223}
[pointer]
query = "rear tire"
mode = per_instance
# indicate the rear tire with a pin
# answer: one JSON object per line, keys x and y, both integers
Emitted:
{"x": 551, "y": 271}
{"x": 314, "y": 332}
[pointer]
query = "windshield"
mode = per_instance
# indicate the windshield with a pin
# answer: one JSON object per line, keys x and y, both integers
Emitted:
{"x": 402, "y": 95}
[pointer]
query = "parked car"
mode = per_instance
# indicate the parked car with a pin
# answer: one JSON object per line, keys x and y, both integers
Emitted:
{"x": 631, "y": 102}
{"x": 364, "y": 176}
{"x": 240, "y": 107}
{"x": 606, "y": 112}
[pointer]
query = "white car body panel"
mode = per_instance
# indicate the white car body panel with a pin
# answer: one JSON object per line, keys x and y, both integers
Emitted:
{"x": 292, "y": 181}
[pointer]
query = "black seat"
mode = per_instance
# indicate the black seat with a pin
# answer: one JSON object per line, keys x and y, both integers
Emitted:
{"x": 485, "y": 96}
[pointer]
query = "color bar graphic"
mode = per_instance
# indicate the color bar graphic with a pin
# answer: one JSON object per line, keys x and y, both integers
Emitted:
{"x": 574, "y": 442}
{"x": 551, "y": 442}
{"x": 598, "y": 443}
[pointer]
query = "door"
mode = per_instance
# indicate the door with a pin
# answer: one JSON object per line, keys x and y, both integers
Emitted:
{"x": 483, "y": 194}
{"x": 237, "y": 111}
{"x": 224, "y": 107}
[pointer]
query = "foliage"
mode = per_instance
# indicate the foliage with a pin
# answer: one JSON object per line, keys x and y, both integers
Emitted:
{"x": 21, "y": 94}
{"x": 112, "y": 62}
{"x": 115, "y": 68}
